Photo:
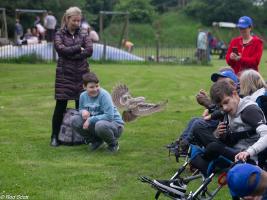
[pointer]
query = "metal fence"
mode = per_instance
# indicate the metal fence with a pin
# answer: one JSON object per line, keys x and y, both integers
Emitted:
{"x": 163, "y": 53}
{"x": 43, "y": 51}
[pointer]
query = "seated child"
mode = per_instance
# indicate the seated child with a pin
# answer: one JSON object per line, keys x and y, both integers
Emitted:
{"x": 99, "y": 120}
{"x": 246, "y": 133}
{"x": 242, "y": 138}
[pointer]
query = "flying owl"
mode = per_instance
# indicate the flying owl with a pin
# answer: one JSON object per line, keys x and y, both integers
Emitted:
{"x": 133, "y": 106}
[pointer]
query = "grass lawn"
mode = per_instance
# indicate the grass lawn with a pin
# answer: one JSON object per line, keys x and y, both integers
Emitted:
{"x": 29, "y": 166}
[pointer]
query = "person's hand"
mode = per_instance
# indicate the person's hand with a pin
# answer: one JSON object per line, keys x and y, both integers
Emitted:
{"x": 85, "y": 114}
{"x": 235, "y": 57}
{"x": 86, "y": 124}
{"x": 203, "y": 98}
{"x": 220, "y": 130}
{"x": 243, "y": 156}
{"x": 206, "y": 115}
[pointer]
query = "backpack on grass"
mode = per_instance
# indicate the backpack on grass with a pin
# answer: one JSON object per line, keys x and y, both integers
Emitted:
{"x": 67, "y": 135}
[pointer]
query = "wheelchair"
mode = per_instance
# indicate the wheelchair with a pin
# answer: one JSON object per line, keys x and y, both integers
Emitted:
{"x": 219, "y": 167}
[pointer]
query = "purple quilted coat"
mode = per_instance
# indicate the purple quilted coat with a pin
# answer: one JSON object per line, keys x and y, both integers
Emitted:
{"x": 72, "y": 63}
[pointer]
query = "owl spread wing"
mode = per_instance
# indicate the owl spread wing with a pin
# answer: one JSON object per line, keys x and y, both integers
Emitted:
{"x": 120, "y": 95}
{"x": 133, "y": 107}
{"x": 122, "y": 98}
{"x": 144, "y": 109}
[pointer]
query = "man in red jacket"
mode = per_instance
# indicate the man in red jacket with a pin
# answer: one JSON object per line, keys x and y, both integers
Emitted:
{"x": 244, "y": 51}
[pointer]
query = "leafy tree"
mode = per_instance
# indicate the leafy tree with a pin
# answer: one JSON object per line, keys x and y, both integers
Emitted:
{"x": 140, "y": 11}
{"x": 163, "y": 5}
{"x": 209, "y": 11}
{"x": 93, "y": 7}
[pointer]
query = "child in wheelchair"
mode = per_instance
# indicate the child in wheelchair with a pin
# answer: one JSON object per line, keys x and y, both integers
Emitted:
{"x": 242, "y": 138}
{"x": 181, "y": 145}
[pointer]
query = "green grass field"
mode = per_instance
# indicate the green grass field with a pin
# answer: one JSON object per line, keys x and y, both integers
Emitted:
{"x": 30, "y": 167}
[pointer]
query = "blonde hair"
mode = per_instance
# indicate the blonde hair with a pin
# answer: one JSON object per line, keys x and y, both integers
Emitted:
{"x": 72, "y": 11}
{"x": 250, "y": 82}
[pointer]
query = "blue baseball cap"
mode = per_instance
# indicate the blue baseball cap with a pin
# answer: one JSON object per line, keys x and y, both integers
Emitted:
{"x": 224, "y": 74}
{"x": 238, "y": 179}
{"x": 244, "y": 22}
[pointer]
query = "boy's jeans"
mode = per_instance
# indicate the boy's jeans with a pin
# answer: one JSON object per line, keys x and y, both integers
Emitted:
{"x": 103, "y": 130}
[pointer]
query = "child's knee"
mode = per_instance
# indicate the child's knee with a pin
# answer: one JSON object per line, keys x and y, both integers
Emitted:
{"x": 101, "y": 127}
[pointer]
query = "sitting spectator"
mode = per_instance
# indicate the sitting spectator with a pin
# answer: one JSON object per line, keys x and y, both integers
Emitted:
{"x": 198, "y": 125}
{"x": 29, "y": 38}
{"x": 28, "y": 34}
{"x": 244, "y": 128}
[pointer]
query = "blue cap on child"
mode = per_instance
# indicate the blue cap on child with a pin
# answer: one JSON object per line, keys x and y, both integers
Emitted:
{"x": 225, "y": 74}
{"x": 239, "y": 182}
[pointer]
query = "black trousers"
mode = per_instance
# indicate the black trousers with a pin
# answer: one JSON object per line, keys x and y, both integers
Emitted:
{"x": 60, "y": 108}
{"x": 50, "y": 34}
{"x": 212, "y": 151}
{"x": 203, "y": 135}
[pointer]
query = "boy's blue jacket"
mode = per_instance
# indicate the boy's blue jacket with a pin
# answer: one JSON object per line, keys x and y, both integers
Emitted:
{"x": 100, "y": 107}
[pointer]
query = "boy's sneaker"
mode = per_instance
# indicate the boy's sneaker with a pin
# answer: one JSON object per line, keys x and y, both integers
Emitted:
{"x": 113, "y": 148}
{"x": 173, "y": 186}
{"x": 95, "y": 145}
{"x": 184, "y": 144}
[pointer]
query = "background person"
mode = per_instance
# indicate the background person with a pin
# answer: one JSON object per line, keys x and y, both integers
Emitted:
{"x": 73, "y": 50}
{"x": 29, "y": 38}
{"x": 128, "y": 45}
{"x": 50, "y": 23}
{"x": 28, "y": 34}
{"x": 41, "y": 30}
{"x": 202, "y": 46}
{"x": 87, "y": 29}
{"x": 244, "y": 51}
{"x": 18, "y": 32}
{"x": 84, "y": 26}
{"x": 37, "y": 21}
{"x": 93, "y": 34}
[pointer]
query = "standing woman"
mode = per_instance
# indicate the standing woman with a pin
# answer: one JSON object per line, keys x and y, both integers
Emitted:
{"x": 245, "y": 51}
{"x": 73, "y": 49}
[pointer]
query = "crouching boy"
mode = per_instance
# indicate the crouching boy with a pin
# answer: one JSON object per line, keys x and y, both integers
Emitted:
{"x": 99, "y": 120}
